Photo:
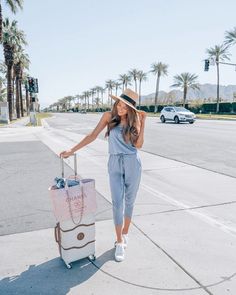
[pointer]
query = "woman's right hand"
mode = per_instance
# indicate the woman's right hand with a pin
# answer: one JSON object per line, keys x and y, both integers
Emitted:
{"x": 66, "y": 154}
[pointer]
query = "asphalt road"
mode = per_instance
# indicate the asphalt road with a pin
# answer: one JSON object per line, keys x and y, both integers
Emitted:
{"x": 206, "y": 144}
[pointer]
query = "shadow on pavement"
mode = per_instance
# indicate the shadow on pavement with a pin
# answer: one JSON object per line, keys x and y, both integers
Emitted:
{"x": 52, "y": 277}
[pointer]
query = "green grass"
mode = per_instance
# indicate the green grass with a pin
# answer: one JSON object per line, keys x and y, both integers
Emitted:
{"x": 40, "y": 116}
{"x": 216, "y": 117}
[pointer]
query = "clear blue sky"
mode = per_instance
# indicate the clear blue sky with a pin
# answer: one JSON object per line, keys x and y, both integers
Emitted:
{"x": 75, "y": 45}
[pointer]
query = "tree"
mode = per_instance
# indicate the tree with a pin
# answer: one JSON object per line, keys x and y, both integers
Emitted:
{"x": 92, "y": 93}
{"x": 110, "y": 84}
{"x": 230, "y": 37}
{"x": 125, "y": 80}
{"x": 218, "y": 53}
{"x": 133, "y": 73}
{"x": 185, "y": 81}
{"x": 12, "y": 40}
{"x": 117, "y": 85}
{"x": 21, "y": 62}
{"x": 13, "y": 5}
{"x": 141, "y": 76}
{"x": 159, "y": 69}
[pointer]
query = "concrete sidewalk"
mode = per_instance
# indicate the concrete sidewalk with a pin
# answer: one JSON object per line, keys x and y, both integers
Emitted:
{"x": 17, "y": 123}
{"x": 181, "y": 242}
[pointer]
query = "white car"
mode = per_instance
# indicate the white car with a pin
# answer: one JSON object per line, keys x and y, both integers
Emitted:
{"x": 177, "y": 114}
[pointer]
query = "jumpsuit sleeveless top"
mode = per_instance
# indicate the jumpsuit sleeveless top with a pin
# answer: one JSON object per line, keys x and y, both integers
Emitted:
{"x": 117, "y": 144}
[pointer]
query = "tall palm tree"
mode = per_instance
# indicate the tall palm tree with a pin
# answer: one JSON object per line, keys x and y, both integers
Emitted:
{"x": 185, "y": 81}
{"x": 92, "y": 93}
{"x": 133, "y": 73}
{"x": 141, "y": 77}
{"x": 12, "y": 39}
{"x": 110, "y": 84}
{"x": 159, "y": 69}
{"x": 21, "y": 62}
{"x": 117, "y": 85}
{"x": 230, "y": 37}
{"x": 218, "y": 53}
{"x": 86, "y": 99}
{"x": 13, "y": 5}
{"x": 101, "y": 90}
{"x": 125, "y": 80}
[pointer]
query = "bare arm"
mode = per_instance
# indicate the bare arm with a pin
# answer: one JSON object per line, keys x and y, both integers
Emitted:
{"x": 140, "y": 139}
{"x": 90, "y": 137}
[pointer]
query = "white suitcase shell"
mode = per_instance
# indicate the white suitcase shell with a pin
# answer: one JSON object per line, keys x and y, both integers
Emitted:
{"x": 76, "y": 242}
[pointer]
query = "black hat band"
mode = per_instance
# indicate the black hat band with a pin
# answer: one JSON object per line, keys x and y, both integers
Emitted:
{"x": 128, "y": 99}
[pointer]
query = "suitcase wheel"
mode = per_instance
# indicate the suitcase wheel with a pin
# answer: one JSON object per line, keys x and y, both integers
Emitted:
{"x": 68, "y": 265}
{"x": 92, "y": 257}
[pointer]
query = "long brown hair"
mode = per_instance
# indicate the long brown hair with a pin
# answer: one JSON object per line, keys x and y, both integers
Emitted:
{"x": 131, "y": 130}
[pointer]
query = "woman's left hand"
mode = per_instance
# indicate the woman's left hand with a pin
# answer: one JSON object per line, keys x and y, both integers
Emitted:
{"x": 142, "y": 116}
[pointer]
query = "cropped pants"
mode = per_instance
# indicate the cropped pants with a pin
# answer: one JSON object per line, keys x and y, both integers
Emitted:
{"x": 124, "y": 176}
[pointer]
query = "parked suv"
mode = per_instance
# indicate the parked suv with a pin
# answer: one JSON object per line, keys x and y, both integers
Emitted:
{"x": 177, "y": 114}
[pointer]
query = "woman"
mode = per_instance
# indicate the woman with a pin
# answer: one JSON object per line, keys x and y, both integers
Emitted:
{"x": 125, "y": 131}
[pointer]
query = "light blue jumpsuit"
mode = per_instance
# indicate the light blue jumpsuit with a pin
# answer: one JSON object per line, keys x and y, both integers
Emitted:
{"x": 124, "y": 168}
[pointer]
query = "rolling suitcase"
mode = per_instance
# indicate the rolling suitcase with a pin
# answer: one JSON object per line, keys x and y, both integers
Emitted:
{"x": 74, "y": 209}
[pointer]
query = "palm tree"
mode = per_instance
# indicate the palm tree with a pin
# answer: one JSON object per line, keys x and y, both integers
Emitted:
{"x": 110, "y": 85}
{"x": 13, "y": 5}
{"x": 230, "y": 37}
{"x": 21, "y": 62}
{"x": 125, "y": 80}
{"x": 86, "y": 99}
{"x": 185, "y": 81}
{"x": 134, "y": 75}
{"x": 141, "y": 77}
{"x": 101, "y": 90}
{"x": 92, "y": 93}
{"x": 12, "y": 40}
{"x": 159, "y": 69}
{"x": 117, "y": 85}
{"x": 218, "y": 53}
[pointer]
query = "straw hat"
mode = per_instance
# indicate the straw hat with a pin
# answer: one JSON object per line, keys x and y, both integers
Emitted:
{"x": 129, "y": 97}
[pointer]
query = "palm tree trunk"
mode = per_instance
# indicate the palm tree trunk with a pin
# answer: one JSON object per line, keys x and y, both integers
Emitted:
{"x": 135, "y": 83}
{"x": 9, "y": 90}
{"x": 218, "y": 88}
{"x": 156, "y": 94}
{"x": 17, "y": 99}
{"x": 0, "y": 22}
{"x": 21, "y": 98}
{"x": 185, "y": 95}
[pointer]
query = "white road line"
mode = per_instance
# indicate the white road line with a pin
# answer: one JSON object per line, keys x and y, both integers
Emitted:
{"x": 212, "y": 221}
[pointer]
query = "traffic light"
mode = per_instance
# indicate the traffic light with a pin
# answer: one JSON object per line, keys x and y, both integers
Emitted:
{"x": 207, "y": 63}
{"x": 36, "y": 88}
{"x": 31, "y": 84}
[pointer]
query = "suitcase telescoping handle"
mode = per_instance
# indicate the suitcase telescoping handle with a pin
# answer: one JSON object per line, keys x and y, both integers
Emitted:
{"x": 62, "y": 166}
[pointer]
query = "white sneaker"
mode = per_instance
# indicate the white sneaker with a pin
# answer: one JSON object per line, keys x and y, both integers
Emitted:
{"x": 125, "y": 240}
{"x": 120, "y": 252}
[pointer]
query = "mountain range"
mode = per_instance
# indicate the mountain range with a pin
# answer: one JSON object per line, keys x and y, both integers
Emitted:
{"x": 207, "y": 92}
